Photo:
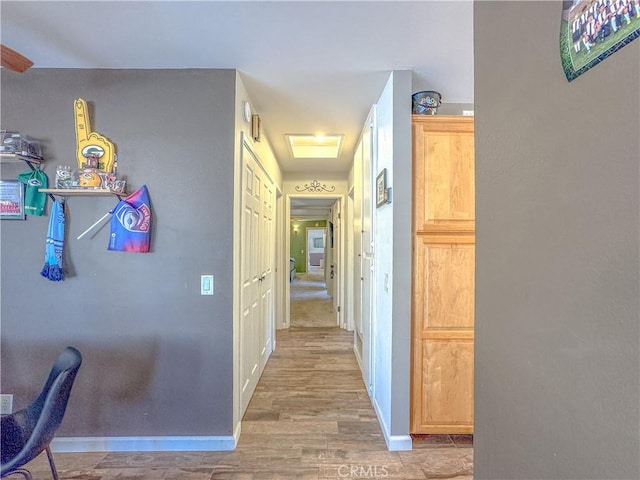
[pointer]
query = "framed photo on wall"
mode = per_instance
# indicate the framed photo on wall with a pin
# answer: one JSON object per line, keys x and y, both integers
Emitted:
{"x": 11, "y": 200}
{"x": 382, "y": 192}
{"x": 591, "y": 30}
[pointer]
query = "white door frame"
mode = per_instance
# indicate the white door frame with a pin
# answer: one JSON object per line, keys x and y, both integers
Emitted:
{"x": 282, "y": 274}
{"x": 349, "y": 266}
{"x": 286, "y": 321}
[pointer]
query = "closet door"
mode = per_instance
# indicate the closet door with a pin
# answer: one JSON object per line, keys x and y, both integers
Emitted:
{"x": 267, "y": 259}
{"x": 257, "y": 260}
{"x": 443, "y": 275}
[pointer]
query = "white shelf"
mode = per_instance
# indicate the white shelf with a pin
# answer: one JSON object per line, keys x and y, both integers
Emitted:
{"x": 63, "y": 192}
{"x": 15, "y": 158}
{"x": 82, "y": 192}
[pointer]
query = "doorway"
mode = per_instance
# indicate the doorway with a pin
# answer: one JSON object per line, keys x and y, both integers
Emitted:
{"x": 315, "y": 247}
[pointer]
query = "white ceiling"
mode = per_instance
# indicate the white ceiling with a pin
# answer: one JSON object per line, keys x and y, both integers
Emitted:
{"x": 308, "y": 208}
{"x": 309, "y": 66}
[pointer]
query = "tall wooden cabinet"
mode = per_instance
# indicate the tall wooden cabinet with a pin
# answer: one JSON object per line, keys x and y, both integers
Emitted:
{"x": 443, "y": 274}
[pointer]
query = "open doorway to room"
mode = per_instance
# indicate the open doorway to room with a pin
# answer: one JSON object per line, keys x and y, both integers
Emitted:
{"x": 314, "y": 292}
{"x": 307, "y": 245}
{"x": 311, "y": 303}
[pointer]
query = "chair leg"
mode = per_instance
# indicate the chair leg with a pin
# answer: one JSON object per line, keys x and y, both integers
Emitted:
{"x": 25, "y": 473}
{"x": 54, "y": 472}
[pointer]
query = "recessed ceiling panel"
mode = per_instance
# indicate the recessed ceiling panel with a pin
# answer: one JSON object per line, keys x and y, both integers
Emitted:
{"x": 314, "y": 146}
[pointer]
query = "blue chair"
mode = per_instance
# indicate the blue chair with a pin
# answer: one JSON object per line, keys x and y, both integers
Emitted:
{"x": 28, "y": 432}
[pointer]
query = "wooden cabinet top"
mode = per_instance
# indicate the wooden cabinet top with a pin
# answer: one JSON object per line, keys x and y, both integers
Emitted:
{"x": 446, "y": 123}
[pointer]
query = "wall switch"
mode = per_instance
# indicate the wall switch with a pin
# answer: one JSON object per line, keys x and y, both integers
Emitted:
{"x": 6, "y": 404}
{"x": 206, "y": 285}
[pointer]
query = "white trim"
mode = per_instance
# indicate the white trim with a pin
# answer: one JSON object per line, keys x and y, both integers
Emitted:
{"x": 143, "y": 444}
{"x": 357, "y": 354}
{"x": 395, "y": 443}
{"x": 340, "y": 197}
{"x": 236, "y": 434}
{"x": 398, "y": 443}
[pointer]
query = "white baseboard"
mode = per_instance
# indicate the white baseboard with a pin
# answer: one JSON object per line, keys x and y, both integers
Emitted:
{"x": 144, "y": 444}
{"x": 398, "y": 443}
{"x": 359, "y": 360}
{"x": 395, "y": 443}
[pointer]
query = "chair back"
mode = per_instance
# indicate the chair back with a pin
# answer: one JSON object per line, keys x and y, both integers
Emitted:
{"x": 26, "y": 433}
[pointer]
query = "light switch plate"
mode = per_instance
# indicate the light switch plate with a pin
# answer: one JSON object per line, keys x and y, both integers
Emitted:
{"x": 6, "y": 404}
{"x": 206, "y": 285}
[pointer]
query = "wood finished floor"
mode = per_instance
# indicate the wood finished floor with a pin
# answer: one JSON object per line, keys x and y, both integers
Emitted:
{"x": 310, "y": 419}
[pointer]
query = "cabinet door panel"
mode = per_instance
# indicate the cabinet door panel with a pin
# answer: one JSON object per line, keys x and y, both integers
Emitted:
{"x": 444, "y": 179}
{"x": 443, "y": 317}
{"x": 446, "y": 386}
{"x": 444, "y": 283}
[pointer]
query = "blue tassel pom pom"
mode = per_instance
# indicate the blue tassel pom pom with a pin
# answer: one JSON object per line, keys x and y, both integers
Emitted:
{"x": 52, "y": 272}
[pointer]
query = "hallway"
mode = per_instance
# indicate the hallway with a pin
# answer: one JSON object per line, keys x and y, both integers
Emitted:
{"x": 310, "y": 419}
{"x": 311, "y": 305}
{"x": 312, "y": 408}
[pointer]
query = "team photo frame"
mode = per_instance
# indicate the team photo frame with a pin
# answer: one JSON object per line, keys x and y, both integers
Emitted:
{"x": 592, "y": 30}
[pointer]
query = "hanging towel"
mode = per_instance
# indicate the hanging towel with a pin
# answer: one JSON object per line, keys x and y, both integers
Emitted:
{"x": 55, "y": 243}
{"x": 131, "y": 223}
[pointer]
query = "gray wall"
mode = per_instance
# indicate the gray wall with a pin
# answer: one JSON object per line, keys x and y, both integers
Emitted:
{"x": 557, "y": 308}
{"x": 157, "y": 355}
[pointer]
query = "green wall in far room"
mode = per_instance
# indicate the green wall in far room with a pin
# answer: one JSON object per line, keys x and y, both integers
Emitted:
{"x": 298, "y": 249}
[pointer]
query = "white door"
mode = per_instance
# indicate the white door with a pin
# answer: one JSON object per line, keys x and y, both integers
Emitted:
{"x": 257, "y": 258}
{"x": 358, "y": 336}
{"x": 267, "y": 266}
{"x": 336, "y": 259}
{"x": 367, "y": 272}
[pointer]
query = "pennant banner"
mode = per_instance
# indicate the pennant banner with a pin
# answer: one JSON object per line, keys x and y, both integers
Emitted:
{"x": 131, "y": 223}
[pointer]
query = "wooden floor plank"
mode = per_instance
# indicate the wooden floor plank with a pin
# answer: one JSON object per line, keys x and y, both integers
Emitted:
{"x": 310, "y": 419}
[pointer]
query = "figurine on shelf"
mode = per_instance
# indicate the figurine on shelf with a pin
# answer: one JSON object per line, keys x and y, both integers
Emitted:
{"x": 64, "y": 177}
{"x": 89, "y": 178}
{"x": 92, "y": 155}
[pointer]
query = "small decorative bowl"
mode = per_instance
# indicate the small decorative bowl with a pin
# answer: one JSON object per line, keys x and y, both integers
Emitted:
{"x": 426, "y": 102}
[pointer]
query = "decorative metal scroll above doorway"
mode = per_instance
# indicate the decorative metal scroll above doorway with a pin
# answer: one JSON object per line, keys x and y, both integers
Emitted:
{"x": 315, "y": 186}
